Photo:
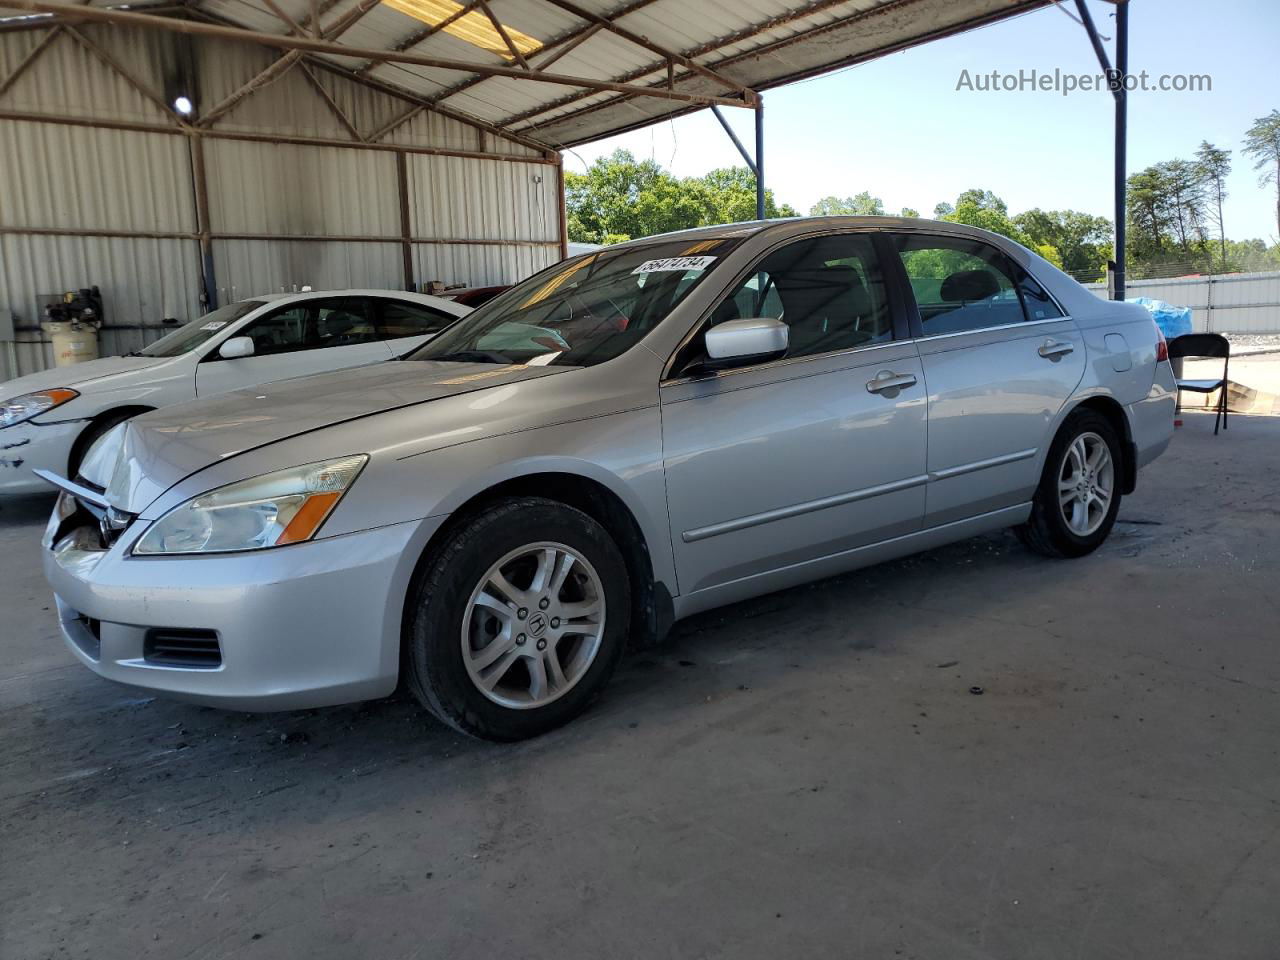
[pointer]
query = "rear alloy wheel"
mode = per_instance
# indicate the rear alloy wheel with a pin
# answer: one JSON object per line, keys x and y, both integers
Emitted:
{"x": 517, "y": 621}
{"x": 1086, "y": 484}
{"x": 1076, "y": 504}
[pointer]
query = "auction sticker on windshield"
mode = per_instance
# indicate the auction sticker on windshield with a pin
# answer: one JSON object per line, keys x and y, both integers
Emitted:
{"x": 666, "y": 264}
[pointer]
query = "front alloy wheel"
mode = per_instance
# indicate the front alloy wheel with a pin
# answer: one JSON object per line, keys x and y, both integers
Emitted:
{"x": 517, "y": 619}
{"x": 533, "y": 626}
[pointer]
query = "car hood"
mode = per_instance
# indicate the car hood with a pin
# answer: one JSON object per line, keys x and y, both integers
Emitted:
{"x": 162, "y": 447}
{"x": 78, "y": 375}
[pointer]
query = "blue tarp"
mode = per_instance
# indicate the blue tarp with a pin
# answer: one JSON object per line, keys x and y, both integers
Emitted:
{"x": 1172, "y": 321}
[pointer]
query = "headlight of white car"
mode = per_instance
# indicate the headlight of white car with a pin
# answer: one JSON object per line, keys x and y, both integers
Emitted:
{"x": 268, "y": 511}
{"x": 29, "y": 405}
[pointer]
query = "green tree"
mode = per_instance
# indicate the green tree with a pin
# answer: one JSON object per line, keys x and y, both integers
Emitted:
{"x": 1147, "y": 209}
{"x": 1214, "y": 165}
{"x": 983, "y": 200}
{"x": 861, "y": 205}
{"x": 1262, "y": 143}
{"x": 620, "y": 198}
{"x": 910, "y": 212}
{"x": 943, "y": 209}
{"x": 732, "y": 191}
{"x": 607, "y": 199}
{"x": 1186, "y": 197}
{"x": 1082, "y": 241}
{"x": 1166, "y": 217}
{"x": 982, "y": 208}
{"x": 1251, "y": 256}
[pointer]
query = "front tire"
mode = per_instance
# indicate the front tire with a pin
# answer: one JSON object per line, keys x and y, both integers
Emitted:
{"x": 517, "y": 621}
{"x": 1075, "y": 506}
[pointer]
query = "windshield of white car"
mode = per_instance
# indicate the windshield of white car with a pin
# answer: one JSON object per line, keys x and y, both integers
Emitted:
{"x": 187, "y": 338}
{"x": 582, "y": 311}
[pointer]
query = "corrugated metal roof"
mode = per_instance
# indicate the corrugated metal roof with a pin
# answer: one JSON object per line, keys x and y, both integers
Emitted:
{"x": 716, "y": 49}
{"x": 757, "y": 43}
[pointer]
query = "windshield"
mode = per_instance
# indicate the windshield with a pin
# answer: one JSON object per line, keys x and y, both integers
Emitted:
{"x": 187, "y": 338}
{"x": 583, "y": 311}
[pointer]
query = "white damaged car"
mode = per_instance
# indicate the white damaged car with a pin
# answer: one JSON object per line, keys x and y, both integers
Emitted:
{"x": 49, "y": 419}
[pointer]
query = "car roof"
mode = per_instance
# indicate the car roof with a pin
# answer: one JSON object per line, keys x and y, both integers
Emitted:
{"x": 787, "y": 227}
{"x": 797, "y": 225}
{"x": 423, "y": 298}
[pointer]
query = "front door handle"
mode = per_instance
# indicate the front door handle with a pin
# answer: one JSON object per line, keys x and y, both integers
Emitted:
{"x": 1053, "y": 349}
{"x": 887, "y": 380}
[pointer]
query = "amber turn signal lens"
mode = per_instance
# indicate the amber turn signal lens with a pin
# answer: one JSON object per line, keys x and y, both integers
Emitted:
{"x": 308, "y": 518}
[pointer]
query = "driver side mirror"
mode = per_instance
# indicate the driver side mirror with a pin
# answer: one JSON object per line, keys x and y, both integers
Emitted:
{"x": 236, "y": 347}
{"x": 736, "y": 342}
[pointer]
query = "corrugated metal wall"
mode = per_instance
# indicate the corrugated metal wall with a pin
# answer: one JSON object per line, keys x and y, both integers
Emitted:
{"x": 266, "y": 200}
{"x": 1232, "y": 303}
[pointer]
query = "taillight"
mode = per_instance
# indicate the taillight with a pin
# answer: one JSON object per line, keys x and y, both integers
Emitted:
{"x": 1162, "y": 346}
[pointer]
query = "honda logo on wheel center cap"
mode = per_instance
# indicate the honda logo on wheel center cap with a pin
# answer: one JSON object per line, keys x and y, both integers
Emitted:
{"x": 537, "y": 625}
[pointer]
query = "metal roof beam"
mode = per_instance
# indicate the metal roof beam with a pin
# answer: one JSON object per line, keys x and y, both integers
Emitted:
{"x": 252, "y": 137}
{"x": 400, "y": 93}
{"x": 332, "y": 104}
{"x": 571, "y": 45}
{"x": 746, "y": 33}
{"x": 413, "y": 39}
{"x": 506, "y": 37}
{"x": 408, "y": 96}
{"x": 72, "y": 14}
{"x": 610, "y": 24}
{"x": 114, "y": 65}
{"x": 29, "y": 59}
{"x": 278, "y": 68}
{"x": 1016, "y": 6}
{"x": 573, "y": 38}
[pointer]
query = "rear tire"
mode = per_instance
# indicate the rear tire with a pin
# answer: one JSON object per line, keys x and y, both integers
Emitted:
{"x": 517, "y": 621}
{"x": 1076, "y": 503}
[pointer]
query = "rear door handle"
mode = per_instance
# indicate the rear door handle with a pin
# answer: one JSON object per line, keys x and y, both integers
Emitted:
{"x": 1053, "y": 349}
{"x": 888, "y": 380}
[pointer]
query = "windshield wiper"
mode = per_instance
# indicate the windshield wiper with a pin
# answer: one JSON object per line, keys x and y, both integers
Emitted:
{"x": 473, "y": 356}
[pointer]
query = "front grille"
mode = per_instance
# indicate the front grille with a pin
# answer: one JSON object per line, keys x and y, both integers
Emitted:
{"x": 175, "y": 647}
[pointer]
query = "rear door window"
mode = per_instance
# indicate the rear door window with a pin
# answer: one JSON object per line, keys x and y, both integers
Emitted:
{"x": 399, "y": 318}
{"x": 342, "y": 322}
{"x": 960, "y": 284}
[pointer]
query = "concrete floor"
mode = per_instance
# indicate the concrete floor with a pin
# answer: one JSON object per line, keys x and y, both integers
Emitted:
{"x": 804, "y": 775}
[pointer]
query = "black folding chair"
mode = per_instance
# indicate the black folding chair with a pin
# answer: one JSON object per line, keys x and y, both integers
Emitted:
{"x": 1204, "y": 345}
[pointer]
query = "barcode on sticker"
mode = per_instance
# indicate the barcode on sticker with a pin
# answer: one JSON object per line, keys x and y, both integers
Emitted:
{"x": 214, "y": 325}
{"x": 674, "y": 263}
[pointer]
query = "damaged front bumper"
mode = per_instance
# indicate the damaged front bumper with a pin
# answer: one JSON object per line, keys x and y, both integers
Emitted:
{"x": 307, "y": 625}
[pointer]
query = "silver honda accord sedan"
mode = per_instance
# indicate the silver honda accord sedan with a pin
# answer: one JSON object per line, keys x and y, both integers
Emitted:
{"x": 627, "y": 438}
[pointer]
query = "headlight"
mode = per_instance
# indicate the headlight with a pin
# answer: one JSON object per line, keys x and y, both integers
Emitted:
{"x": 268, "y": 511}
{"x": 31, "y": 405}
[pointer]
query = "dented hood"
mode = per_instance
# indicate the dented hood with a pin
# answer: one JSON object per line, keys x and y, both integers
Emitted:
{"x": 163, "y": 447}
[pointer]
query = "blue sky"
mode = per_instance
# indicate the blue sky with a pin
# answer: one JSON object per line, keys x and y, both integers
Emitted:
{"x": 899, "y": 127}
